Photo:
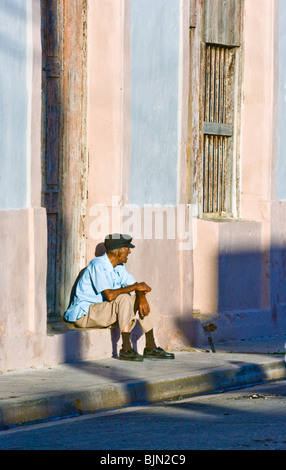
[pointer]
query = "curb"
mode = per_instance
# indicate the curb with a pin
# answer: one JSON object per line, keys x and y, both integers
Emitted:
{"x": 15, "y": 412}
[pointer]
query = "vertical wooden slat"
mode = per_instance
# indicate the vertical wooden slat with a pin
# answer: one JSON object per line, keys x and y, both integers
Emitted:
{"x": 211, "y": 90}
{"x": 52, "y": 255}
{"x": 219, "y": 102}
{"x": 217, "y": 84}
{"x": 218, "y": 174}
{"x": 209, "y": 174}
{"x": 204, "y": 173}
{"x": 223, "y": 174}
{"x": 215, "y": 188}
{"x": 207, "y": 85}
{"x": 52, "y": 156}
{"x": 214, "y": 85}
{"x": 50, "y": 30}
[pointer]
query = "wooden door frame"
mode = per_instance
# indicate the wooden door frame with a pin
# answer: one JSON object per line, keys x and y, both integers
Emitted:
{"x": 72, "y": 34}
{"x": 199, "y": 36}
{"x": 75, "y": 161}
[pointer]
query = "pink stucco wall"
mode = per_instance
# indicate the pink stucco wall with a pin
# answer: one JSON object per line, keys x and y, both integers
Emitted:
{"x": 181, "y": 280}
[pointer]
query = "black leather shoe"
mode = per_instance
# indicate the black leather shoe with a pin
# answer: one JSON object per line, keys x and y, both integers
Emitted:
{"x": 130, "y": 355}
{"x": 158, "y": 353}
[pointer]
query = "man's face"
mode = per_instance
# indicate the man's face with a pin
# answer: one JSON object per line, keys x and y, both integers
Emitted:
{"x": 123, "y": 254}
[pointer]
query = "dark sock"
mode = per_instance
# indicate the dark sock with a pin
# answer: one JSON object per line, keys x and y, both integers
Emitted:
{"x": 150, "y": 341}
{"x": 126, "y": 345}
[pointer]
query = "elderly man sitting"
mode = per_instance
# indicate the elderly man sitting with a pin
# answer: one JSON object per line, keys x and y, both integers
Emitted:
{"x": 103, "y": 300}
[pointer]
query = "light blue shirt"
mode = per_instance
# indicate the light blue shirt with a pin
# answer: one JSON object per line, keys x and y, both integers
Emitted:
{"x": 98, "y": 276}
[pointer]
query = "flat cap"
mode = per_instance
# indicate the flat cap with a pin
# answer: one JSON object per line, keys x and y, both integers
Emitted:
{"x": 115, "y": 241}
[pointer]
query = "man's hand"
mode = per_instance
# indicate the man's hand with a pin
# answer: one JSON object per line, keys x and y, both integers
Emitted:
{"x": 142, "y": 305}
{"x": 143, "y": 287}
{"x": 141, "y": 301}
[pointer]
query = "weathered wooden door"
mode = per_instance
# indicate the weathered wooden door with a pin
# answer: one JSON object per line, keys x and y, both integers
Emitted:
{"x": 64, "y": 156}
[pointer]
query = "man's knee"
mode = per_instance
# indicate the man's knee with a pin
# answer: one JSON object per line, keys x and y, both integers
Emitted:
{"x": 124, "y": 299}
{"x": 125, "y": 311}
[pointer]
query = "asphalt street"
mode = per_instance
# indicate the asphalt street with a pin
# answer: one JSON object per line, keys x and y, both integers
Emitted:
{"x": 252, "y": 418}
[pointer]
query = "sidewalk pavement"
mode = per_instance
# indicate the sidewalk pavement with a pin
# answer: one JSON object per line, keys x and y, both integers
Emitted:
{"x": 72, "y": 389}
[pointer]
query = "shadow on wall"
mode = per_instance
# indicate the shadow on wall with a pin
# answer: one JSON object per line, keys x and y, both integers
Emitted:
{"x": 251, "y": 298}
{"x": 252, "y": 280}
{"x": 99, "y": 251}
{"x": 240, "y": 278}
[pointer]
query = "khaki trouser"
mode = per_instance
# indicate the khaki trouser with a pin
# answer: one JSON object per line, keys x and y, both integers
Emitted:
{"x": 120, "y": 312}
